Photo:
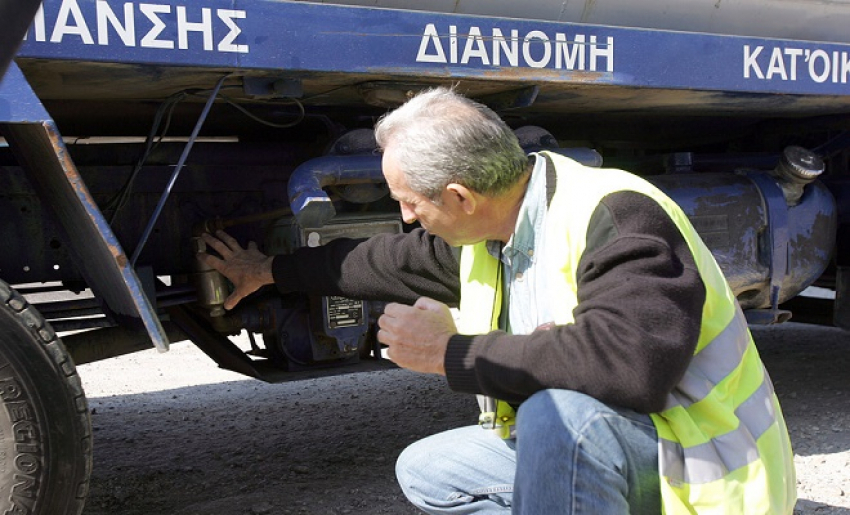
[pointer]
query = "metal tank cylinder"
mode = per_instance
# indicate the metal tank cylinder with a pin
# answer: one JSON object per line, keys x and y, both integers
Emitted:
{"x": 789, "y": 19}
{"x": 732, "y": 214}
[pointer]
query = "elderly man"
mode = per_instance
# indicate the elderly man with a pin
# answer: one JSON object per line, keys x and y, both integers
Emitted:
{"x": 614, "y": 368}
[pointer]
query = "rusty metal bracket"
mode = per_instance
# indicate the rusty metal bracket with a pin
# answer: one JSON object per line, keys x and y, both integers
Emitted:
{"x": 37, "y": 145}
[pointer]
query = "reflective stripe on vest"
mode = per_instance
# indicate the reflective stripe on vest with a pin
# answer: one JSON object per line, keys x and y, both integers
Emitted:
{"x": 723, "y": 445}
{"x": 713, "y": 459}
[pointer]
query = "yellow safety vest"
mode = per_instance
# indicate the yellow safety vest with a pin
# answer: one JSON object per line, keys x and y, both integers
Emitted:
{"x": 723, "y": 444}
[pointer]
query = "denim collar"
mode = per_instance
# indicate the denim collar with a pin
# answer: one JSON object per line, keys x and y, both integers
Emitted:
{"x": 532, "y": 212}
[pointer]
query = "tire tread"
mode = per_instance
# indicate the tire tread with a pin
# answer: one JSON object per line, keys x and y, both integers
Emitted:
{"x": 55, "y": 350}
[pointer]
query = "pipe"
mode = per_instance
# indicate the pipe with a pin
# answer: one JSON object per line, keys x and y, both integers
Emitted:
{"x": 312, "y": 206}
{"x": 797, "y": 167}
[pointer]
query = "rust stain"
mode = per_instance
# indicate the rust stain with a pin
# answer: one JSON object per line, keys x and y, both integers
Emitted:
{"x": 529, "y": 74}
{"x": 61, "y": 153}
{"x": 119, "y": 255}
{"x": 520, "y": 73}
{"x": 83, "y": 195}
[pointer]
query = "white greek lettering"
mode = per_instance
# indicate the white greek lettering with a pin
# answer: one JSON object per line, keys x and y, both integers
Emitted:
{"x": 474, "y": 47}
{"x": 575, "y": 53}
{"x": 835, "y": 68}
{"x": 110, "y": 21}
{"x": 510, "y": 48}
{"x": 605, "y": 50}
{"x": 793, "y": 53}
{"x": 750, "y": 62}
{"x": 845, "y": 67}
{"x": 226, "y": 44}
{"x": 566, "y": 57}
{"x": 813, "y": 73}
{"x": 70, "y": 8}
{"x": 453, "y": 44}
{"x": 106, "y": 17}
{"x": 546, "y": 45}
{"x": 38, "y": 25}
{"x": 776, "y": 65}
{"x": 430, "y": 36}
{"x": 184, "y": 27}
{"x": 152, "y": 11}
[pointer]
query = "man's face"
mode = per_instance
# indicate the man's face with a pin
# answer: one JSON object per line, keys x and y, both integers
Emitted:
{"x": 440, "y": 220}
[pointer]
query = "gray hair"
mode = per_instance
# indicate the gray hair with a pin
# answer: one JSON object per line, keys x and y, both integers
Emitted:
{"x": 441, "y": 137}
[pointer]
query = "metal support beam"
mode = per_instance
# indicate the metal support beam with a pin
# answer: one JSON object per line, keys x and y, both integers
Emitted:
{"x": 37, "y": 145}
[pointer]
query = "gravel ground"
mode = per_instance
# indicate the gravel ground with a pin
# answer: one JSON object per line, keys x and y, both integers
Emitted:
{"x": 175, "y": 435}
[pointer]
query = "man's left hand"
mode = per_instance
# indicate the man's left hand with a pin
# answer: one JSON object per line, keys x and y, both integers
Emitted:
{"x": 417, "y": 335}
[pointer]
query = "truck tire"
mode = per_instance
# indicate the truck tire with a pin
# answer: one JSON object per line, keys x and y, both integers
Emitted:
{"x": 45, "y": 426}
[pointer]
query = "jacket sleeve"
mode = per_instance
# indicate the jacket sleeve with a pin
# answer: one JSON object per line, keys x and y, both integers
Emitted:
{"x": 387, "y": 267}
{"x": 635, "y": 327}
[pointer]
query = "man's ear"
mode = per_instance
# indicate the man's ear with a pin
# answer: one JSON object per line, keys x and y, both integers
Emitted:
{"x": 465, "y": 198}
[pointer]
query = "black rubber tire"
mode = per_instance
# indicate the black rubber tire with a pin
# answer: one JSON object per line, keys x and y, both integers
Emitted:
{"x": 45, "y": 426}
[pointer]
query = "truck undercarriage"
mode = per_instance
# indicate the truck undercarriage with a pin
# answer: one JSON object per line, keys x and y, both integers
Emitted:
{"x": 130, "y": 129}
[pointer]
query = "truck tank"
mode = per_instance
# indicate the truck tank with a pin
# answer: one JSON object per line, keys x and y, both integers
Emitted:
{"x": 813, "y": 20}
{"x": 129, "y": 127}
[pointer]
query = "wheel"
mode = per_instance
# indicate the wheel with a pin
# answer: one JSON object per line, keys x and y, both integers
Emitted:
{"x": 45, "y": 427}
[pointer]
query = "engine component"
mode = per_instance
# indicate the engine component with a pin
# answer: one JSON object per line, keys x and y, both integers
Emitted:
{"x": 210, "y": 284}
{"x": 303, "y": 330}
{"x": 797, "y": 168}
{"x": 730, "y": 212}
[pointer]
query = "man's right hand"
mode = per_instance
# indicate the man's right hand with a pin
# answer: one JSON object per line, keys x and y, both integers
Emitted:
{"x": 248, "y": 269}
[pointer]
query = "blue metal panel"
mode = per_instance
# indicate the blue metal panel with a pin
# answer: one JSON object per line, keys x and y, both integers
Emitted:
{"x": 39, "y": 148}
{"x": 305, "y": 37}
{"x": 18, "y": 103}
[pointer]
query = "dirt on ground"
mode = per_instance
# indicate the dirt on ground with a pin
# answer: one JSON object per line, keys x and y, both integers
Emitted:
{"x": 175, "y": 435}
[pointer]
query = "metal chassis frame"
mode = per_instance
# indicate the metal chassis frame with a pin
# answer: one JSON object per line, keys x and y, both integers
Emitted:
{"x": 36, "y": 143}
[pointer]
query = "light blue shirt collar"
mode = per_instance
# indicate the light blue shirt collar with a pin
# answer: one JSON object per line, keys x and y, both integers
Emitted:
{"x": 525, "y": 287}
{"x": 529, "y": 220}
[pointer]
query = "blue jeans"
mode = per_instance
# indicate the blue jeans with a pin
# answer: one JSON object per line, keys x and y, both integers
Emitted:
{"x": 573, "y": 455}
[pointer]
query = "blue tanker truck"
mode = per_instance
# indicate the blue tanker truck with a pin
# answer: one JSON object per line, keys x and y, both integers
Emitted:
{"x": 129, "y": 128}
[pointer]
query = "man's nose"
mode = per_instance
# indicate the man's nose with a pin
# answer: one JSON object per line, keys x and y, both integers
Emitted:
{"x": 407, "y": 214}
